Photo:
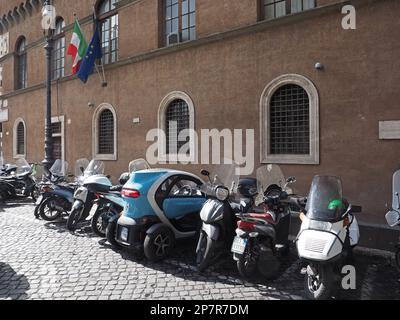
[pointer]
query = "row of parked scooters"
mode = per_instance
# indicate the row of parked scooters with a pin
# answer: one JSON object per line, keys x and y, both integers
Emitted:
{"x": 249, "y": 218}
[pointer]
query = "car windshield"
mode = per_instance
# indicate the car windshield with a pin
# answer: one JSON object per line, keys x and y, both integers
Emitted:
{"x": 23, "y": 166}
{"x": 138, "y": 165}
{"x": 59, "y": 168}
{"x": 325, "y": 201}
{"x": 225, "y": 174}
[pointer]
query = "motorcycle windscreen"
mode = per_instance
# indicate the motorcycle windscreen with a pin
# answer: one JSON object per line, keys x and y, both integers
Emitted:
{"x": 138, "y": 165}
{"x": 325, "y": 201}
{"x": 80, "y": 166}
{"x": 224, "y": 174}
{"x": 59, "y": 168}
{"x": 396, "y": 190}
{"x": 269, "y": 176}
{"x": 95, "y": 167}
{"x": 175, "y": 208}
{"x": 23, "y": 166}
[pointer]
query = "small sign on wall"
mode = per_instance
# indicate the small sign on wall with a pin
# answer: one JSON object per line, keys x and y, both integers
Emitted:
{"x": 3, "y": 115}
{"x": 4, "y": 44}
{"x": 389, "y": 130}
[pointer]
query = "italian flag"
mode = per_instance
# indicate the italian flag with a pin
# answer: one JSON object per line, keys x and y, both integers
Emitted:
{"x": 77, "y": 48}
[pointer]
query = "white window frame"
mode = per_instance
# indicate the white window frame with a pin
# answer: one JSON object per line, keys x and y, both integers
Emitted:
{"x": 265, "y": 103}
{"x": 15, "y": 148}
{"x": 60, "y": 119}
{"x": 95, "y": 133}
{"x": 168, "y": 99}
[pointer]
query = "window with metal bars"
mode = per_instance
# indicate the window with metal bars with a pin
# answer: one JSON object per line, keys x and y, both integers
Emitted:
{"x": 20, "y": 139}
{"x": 21, "y": 64}
{"x": 106, "y": 133}
{"x": 180, "y": 18}
{"x": 290, "y": 121}
{"x": 108, "y": 17}
{"x": 177, "y": 119}
{"x": 56, "y": 129}
{"x": 58, "y": 56}
{"x": 271, "y": 9}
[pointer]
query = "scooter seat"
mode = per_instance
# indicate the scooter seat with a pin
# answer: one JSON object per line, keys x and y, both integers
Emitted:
{"x": 262, "y": 216}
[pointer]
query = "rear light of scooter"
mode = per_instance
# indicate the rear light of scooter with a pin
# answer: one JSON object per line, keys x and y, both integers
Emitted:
{"x": 130, "y": 193}
{"x": 244, "y": 225}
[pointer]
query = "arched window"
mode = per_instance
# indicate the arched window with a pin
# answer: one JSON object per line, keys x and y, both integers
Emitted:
{"x": 105, "y": 133}
{"x": 108, "y": 17}
{"x": 59, "y": 50}
{"x": 176, "y": 120}
{"x": 179, "y": 21}
{"x": 19, "y": 139}
{"x": 21, "y": 64}
{"x": 290, "y": 125}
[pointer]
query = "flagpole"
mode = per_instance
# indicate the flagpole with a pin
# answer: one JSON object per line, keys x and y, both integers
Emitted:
{"x": 102, "y": 75}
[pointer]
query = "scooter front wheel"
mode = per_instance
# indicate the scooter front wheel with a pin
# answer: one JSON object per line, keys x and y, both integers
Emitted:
{"x": 47, "y": 210}
{"x": 74, "y": 219}
{"x": 318, "y": 283}
{"x": 204, "y": 252}
{"x": 99, "y": 224}
{"x": 111, "y": 234}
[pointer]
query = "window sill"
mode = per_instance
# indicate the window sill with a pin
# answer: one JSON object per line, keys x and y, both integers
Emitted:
{"x": 291, "y": 159}
{"x": 105, "y": 157}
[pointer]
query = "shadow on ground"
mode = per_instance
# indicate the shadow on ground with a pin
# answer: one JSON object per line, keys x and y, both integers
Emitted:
{"x": 12, "y": 285}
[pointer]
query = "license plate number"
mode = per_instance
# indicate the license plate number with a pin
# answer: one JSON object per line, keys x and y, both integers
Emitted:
{"x": 124, "y": 234}
{"x": 239, "y": 245}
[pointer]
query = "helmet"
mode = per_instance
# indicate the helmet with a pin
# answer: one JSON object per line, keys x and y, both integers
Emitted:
{"x": 124, "y": 178}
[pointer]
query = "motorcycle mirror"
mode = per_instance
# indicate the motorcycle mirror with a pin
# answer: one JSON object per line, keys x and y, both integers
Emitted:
{"x": 291, "y": 180}
{"x": 356, "y": 209}
{"x": 70, "y": 175}
{"x": 205, "y": 173}
{"x": 82, "y": 169}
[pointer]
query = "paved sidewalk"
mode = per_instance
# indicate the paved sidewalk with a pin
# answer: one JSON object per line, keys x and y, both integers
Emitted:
{"x": 41, "y": 260}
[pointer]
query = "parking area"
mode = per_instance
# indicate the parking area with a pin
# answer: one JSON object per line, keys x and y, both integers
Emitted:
{"x": 41, "y": 260}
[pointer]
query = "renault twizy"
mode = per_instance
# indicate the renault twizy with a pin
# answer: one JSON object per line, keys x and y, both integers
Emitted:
{"x": 162, "y": 206}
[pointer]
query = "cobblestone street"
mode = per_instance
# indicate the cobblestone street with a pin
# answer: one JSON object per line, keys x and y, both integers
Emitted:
{"x": 40, "y": 260}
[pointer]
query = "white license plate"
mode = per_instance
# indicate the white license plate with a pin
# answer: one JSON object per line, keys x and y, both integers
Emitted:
{"x": 239, "y": 245}
{"x": 124, "y": 234}
{"x": 39, "y": 200}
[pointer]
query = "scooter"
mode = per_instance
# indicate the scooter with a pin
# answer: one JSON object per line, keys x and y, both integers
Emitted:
{"x": 328, "y": 234}
{"x": 109, "y": 205}
{"x": 56, "y": 197}
{"x": 21, "y": 182}
{"x": 263, "y": 238}
{"x": 93, "y": 181}
{"x": 393, "y": 216}
{"x": 218, "y": 214}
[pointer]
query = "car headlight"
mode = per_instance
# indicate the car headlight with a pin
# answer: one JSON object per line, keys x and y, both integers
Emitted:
{"x": 222, "y": 193}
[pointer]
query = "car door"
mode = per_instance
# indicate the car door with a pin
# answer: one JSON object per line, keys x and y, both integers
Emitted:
{"x": 183, "y": 197}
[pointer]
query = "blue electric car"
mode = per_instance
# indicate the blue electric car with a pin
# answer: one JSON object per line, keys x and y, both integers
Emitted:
{"x": 162, "y": 206}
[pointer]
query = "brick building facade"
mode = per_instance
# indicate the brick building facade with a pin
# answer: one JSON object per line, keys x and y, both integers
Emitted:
{"x": 216, "y": 64}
